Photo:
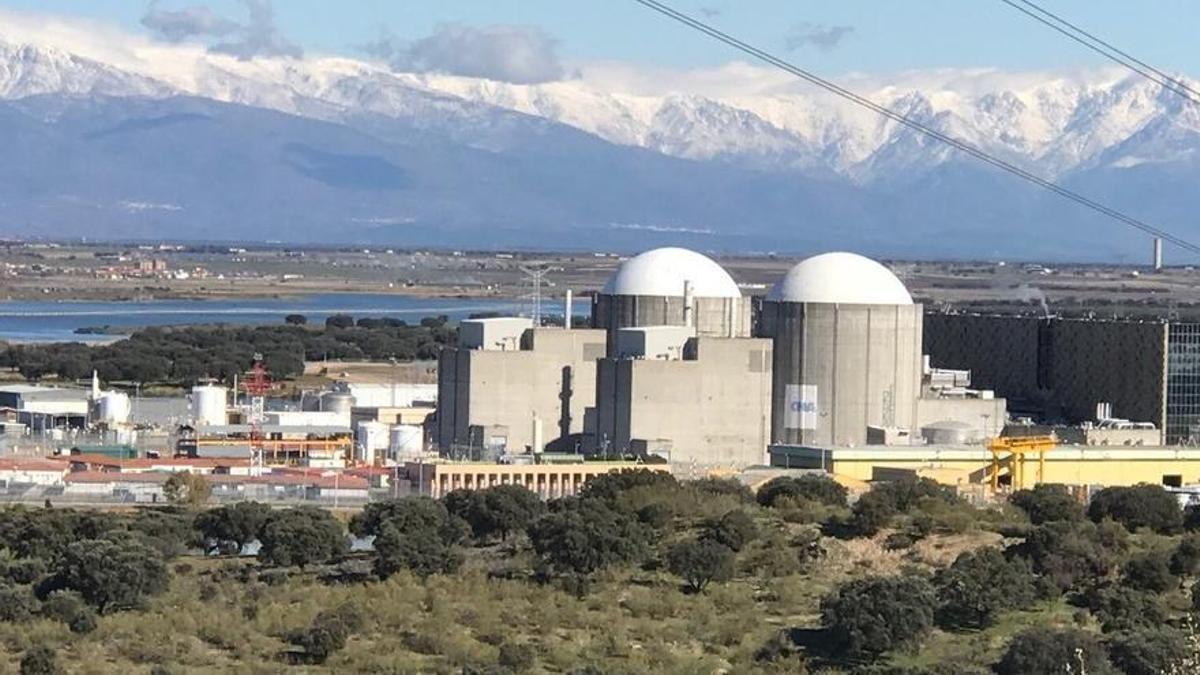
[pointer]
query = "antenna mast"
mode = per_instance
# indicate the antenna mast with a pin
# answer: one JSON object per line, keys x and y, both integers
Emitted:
{"x": 257, "y": 385}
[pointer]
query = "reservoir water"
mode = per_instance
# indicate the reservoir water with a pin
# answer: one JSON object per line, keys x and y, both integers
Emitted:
{"x": 49, "y": 321}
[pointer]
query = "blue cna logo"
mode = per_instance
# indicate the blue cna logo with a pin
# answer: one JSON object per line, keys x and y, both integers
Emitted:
{"x": 804, "y": 406}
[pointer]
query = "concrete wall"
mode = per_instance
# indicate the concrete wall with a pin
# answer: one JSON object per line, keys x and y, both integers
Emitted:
{"x": 714, "y": 317}
{"x": 1058, "y": 368}
{"x": 553, "y": 376}
{"x": 713, "y": 407}
{"x": 865, "y": 361}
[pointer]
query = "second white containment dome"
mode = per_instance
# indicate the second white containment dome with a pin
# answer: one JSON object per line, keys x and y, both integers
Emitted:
{"x": 840, "y": 278}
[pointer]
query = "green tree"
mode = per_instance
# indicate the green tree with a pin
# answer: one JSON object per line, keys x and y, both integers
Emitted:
{"x": 812, "y": 487}
{"x": 1142, "y": 505}
{"x": 498, "y": 510}
{"x": 609, "y": 486}
{"x": 295, "y": 319}
{"x": 1122, "y": 608}
{"x": 1068, "y": 553}
{"x": 420, "y": 550}
{"x": 730, "y": 487}
{"x": 878, "y": 614}
{"x": 581, "y": 536}
{"x": 1150, "y": 651}
{"x": 39, "y": 660}
{"x": 1150, "y": 571}
{"x": 700, "y": 562}
{"x": 301, "y": 536}
{"x": 409, "y": 514}
{"x": 340, "y": 321}
{"x": 187, "y": 489}
{"x": 979, "y": 585}
{"x": 108, "y": 575}
{"x": 229, "y": 528}
{"x": 871, "y": 513}
{"x": 1054, "y": 651}
{"x": 734, "y": 530}
{"x": 1047, "y": 502}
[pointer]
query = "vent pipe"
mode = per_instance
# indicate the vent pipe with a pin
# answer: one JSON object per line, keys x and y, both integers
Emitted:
{"x": 689, "y": 311}
{"x": 567, "y": 311}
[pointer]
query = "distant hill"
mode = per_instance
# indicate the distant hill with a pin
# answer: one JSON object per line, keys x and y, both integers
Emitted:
{"x": 340, "y": 151}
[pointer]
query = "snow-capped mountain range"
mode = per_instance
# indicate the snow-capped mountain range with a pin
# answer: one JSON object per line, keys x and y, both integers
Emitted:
{"x": 789, "y": 165}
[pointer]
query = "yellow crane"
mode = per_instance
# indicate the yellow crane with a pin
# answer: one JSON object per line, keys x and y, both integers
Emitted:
{"x": 1016, "y": 448}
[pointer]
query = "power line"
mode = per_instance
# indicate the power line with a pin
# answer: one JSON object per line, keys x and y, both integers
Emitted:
{"x": 963, "y": 146}
{"x": 1104, "y": 48}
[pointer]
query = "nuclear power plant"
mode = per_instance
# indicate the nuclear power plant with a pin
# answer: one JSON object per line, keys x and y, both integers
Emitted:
{"x": 677, "y": 365}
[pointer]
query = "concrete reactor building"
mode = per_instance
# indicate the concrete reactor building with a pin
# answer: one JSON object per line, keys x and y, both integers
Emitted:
{"x": 672, "y": 287}
{"x": 510, "y": 387}
{"x": 847, "y": 351}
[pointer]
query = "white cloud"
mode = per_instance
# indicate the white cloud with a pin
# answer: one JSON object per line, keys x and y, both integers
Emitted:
{"x": 507, "y": 53}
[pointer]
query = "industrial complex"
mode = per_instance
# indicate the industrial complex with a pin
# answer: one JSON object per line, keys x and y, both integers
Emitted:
{"x": 680, "y": 368}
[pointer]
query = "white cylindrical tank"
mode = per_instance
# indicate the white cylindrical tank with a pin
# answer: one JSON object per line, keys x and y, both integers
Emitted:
{"x": 114, "y": 408}
{"x": 209, "y": 405}
{"x": 337, "y": 401}
{"x": 373, "y": 435}
{"x": 406, "y": 439}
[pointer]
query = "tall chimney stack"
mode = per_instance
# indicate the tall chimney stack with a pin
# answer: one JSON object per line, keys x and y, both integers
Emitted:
{"x": 567, "y": 311}
{"x": 1157, "y": 253}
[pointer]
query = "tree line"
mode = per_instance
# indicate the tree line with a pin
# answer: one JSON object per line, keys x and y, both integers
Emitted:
{"x": 185, "y": 354}
{"x": 1128, "y": 563}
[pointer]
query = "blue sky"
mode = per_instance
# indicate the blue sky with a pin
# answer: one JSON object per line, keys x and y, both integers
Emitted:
{"x": 860, "y": 35}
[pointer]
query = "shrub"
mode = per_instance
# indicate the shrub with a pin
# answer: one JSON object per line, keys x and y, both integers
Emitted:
{"x": 39, "y": 660}
{"x": 812, "y": 487}
{"x": 17, "y": 604}
{"x": 1070, "y": 552}
{"x": 734, "y": 530}
{"x": 1191, "y": 517}
{"x": 1046, "y": 503}
{"x": 700, "y": 562}
{"x": 516, "y": 656}
{"x": 1150, "y": 571}
{"x": 730, "y": 487}
{"x": 1051, "y": 651}
{"x": 875, "y": 615}
{"x": 188, "y": 489}
{"x": 418, "y": 533}
{"x": 301, "y": 536}
{"x": 1149, "y": 651}
{"x": 1121, "y": 608}
{"x": 1139, "y": 506}
{"x": 407, "y": 515}
{"x": 609, "y": 486}
{"x": 871, "y": 513}
{"x": 981, "y": 584}
{"x": 1185, "y": 559}
{"x": 327, "y": 633}
{"x": 24, "y": 571}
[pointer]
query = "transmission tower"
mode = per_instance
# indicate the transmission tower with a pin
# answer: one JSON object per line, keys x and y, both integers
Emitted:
{"x": 257, "y": 384}
{"x": 536, "y": 278}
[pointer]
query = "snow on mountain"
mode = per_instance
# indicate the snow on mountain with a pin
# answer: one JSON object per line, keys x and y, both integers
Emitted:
{"x": 1051, "y": 123}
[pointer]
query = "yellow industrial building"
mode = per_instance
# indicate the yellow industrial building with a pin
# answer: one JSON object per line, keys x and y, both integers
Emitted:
{"x": 1070, "y": 465}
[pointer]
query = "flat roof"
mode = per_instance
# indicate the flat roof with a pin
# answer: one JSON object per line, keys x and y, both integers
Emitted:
{"x": 905, "y": 453}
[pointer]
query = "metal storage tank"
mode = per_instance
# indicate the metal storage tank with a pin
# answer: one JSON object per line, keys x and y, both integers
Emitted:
{"x": 373, "y": 435}
{"x": 672, "y": 287}
{"x": 406, "y": 439}
{"x": 338, "y": 402}
{"x": 209, "y": 405}
{"x": 847, "y": 351}
{"x": 949, "y": 432}
{"x": 114, "y": 408}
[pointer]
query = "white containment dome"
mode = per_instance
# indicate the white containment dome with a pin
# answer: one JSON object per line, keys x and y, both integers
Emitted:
{"x": 840, "y": 278}
{"x": 664, "y": 271}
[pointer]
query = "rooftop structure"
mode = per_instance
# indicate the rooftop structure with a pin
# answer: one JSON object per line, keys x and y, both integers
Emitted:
{"x": 665, "y": 272}
{"x": 840, "y": 278}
